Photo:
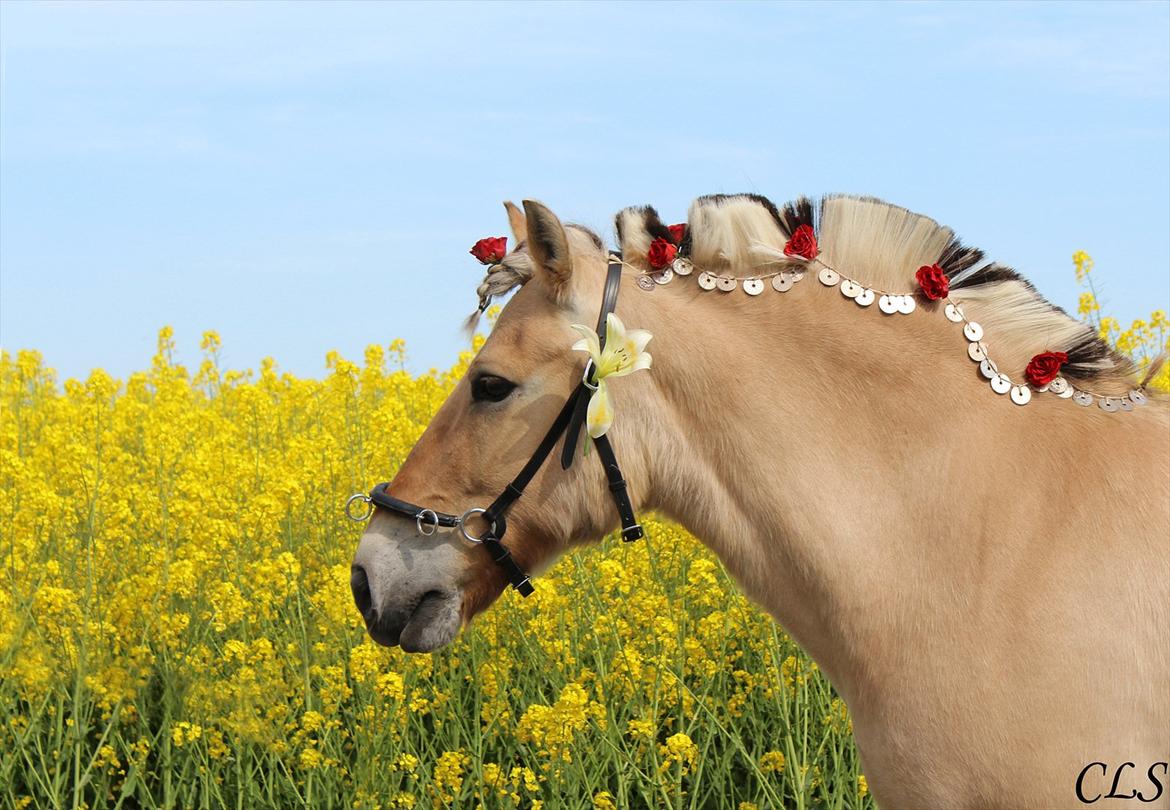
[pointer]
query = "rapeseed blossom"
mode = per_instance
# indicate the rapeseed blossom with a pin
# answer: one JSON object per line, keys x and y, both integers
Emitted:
{"x": 177, "y": 599}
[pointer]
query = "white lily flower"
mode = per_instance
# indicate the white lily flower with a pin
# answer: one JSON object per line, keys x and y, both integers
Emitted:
{"x": 624, "y": 353}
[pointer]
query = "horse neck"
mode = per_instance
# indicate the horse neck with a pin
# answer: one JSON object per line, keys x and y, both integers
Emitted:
{"x": 852, "y": 470}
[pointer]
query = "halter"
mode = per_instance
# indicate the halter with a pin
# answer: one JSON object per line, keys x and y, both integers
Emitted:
{"x": 568, "y": 422}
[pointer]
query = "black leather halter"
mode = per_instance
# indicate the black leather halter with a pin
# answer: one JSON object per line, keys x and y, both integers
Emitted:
{"x": 569, "y": 423}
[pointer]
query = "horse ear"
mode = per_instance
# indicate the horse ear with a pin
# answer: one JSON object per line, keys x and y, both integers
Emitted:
{"x": 549, "y": 247}
{"x": 517, "y": 221}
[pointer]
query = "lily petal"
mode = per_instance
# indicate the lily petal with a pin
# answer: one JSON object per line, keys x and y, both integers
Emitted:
{"x": 599, "y": 415}
{"x": 615, "y": 330}
{"x": 589, "y": 342}
{"x": 638, "y": 338}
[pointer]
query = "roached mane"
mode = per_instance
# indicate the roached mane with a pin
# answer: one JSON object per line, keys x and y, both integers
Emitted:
{"x": 879, "y": 244}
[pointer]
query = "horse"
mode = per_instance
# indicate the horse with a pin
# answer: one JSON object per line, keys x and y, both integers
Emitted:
{"x": 982, "y": 577}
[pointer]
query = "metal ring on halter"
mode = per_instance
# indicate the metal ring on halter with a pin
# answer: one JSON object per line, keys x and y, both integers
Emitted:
{"x": 589, "y": 368}
{"x": 463, "y": 524}
{"x": 432, "y": 522}
{"x": 364, "y": 498}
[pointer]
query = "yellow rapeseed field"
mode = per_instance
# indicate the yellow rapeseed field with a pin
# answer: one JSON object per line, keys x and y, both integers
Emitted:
{"x": 177, "y": 630}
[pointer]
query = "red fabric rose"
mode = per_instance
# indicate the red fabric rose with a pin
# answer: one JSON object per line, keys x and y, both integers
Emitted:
{"x": 677, "y": 232}
{"x": 1044, "y": 367}
{"x": 661, "y": 253}
{"x": 490, "y": 250}
{"x": 933, "y": 281}
{"x": 803, "y": 243}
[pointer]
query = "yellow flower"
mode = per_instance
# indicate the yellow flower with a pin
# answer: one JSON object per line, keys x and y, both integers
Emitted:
{"x": 624, "y": 353}
{"x": 1108, "y": 328}
{"x": 448, "y": 775}
{"x": 644, "y": 729}
{"x": 1083, "y": 263}
{"x": 679, "y": 749}
{"x": 107, "y": 758}
{"x": 553, "y": 729}
{"x": 772, "y": 762}
{"x": 390, "y": 686}
{"x": 183, "y": 733}
{"x": 407, "y": 763}
{"x": 604, "y": 801}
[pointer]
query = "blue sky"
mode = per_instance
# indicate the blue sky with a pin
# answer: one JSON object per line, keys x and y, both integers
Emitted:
{"x": 305, "y": 177}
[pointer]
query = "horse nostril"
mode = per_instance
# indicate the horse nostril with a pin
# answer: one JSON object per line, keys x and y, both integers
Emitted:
{"x": 359, "y": 583}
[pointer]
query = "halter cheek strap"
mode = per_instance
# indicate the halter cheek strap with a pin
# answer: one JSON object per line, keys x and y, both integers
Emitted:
{"x": 609, "y": 296}
{"x": 568, "y": 422}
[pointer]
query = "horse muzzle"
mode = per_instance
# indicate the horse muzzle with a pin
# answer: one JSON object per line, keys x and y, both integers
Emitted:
{"x": 407, "y": 593}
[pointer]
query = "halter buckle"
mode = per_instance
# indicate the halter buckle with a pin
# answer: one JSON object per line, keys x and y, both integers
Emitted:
{"x": 632, "y": 533}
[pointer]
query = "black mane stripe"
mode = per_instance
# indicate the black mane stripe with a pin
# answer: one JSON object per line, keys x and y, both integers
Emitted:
{"x": 650, "y": 221}
{"x": 796, "y": 213}
{"x": 717, "y": 199}
{"x": 957, "y": 259}
{"x": 990, "y": 274}
{"x": 654, "y": 225}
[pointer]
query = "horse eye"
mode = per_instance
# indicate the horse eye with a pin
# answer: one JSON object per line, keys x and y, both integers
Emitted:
{"x": 490, "y": 388}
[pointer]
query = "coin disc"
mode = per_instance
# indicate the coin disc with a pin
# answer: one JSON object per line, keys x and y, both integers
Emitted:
{"x": 782, "y": 283}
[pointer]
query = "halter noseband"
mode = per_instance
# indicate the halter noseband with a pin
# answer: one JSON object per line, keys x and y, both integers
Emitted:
{"x": 568, "y": 422}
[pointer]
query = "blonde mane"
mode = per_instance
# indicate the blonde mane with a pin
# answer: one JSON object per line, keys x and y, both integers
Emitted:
{"x": 874, "y": 242}
{"x": 882, "y": 246}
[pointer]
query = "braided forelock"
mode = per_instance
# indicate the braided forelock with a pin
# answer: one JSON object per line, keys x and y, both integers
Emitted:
{"x": 514, "y": 270}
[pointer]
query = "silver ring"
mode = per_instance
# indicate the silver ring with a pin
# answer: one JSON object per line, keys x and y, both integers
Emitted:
{"x": 432, "y": 522}
{"x": 364, "y": 498}
{"x": 463, "y": 525}
{"x": 589, "y": 367}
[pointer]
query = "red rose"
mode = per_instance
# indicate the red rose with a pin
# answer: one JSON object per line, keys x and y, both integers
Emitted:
{"x": 1043, "y": 368}
{"x": 803, "y": 243}
{"x": 661, "y": 253}
{"x": 933, "y": 281}
{"x": 677, "y": 232}
{"x": 490, "y": 250}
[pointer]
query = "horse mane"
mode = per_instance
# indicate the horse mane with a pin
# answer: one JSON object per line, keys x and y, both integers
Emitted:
{"x": 878, "y": 244}
{"x": 882, "y": 246}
